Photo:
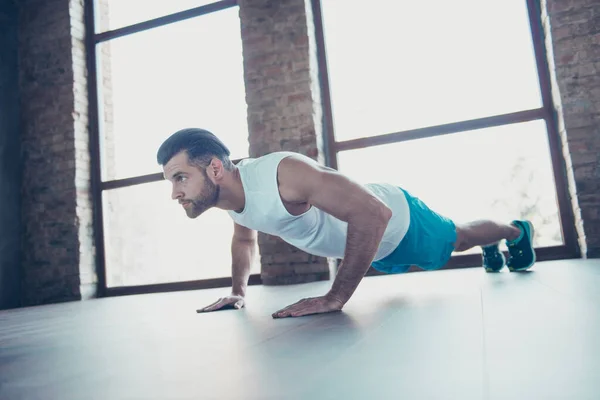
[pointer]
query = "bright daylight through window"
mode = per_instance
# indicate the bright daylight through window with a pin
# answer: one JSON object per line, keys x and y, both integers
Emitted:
{"x": 411, "y": 65}
{"x": 152, "y": 83}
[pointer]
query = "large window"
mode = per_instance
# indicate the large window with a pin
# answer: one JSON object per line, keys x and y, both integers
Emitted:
{"x": 153, "y": 77}
{"x": 407, "y": 65}
{"x": 172, "y": 77}
{"x": 502, "y": 182}
{"x": 116, "y": 14}
{"x": 450, "y": 100}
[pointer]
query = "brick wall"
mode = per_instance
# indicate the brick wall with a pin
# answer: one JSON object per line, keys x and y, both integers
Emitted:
{"x": 57, "y": 245}
{"x": 10, "y": 160}
{"x": 572, "y": 29}
{"x": 113, "y": 218}
{"x": 105, "y": 93}
{"x": 83, "y": 198}
{"x": 283, "y": 110}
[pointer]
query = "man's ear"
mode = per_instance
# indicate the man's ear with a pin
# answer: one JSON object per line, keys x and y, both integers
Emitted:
{"x": 215, "y": 169}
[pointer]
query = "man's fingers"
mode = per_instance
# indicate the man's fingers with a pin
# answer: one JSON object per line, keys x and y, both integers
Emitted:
{"x": 290, "y": 306}
{"x": 304, "y": 307}
{"x": 304, "y": 310}
{"x": 228, "y": 302}
{"x": 290, "y": 313}
{"x": 216, "y": 305}
{"x": 289, "y": 310}
{"x": 204, "y": 309}
{"x": 281, "y": 314}
{"x": 283, "y": 311}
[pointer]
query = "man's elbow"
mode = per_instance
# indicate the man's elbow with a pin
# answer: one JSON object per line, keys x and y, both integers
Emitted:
{"x": 377, "y": 214}
{"x": 384, "y": 214}
{"x": 380, "y": 211}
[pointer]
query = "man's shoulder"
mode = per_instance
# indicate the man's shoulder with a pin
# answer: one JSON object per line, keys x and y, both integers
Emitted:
{"x": 279, "y": 154}
{"x": 274, "y": 157}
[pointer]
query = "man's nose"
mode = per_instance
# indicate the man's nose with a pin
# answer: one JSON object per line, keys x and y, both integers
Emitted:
{"x": 175, "y": 194}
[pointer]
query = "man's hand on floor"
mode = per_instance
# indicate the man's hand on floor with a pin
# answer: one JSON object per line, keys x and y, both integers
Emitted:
{"x": 225, "y": 303}
{"x": 313, "y": 305}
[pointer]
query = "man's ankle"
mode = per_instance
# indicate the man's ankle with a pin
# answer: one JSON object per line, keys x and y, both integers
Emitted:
{"x": 490, "y": 245}
{"x": 515, "y": 233}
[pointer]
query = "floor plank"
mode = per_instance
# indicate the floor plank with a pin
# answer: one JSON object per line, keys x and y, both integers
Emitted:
{"x": 539, "y": 341}
{"x": 436, "y": 335}
{"x": 430, "y": 346}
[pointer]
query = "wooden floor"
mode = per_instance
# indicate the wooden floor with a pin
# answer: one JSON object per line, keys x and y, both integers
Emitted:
{"x": 460, "y": 334}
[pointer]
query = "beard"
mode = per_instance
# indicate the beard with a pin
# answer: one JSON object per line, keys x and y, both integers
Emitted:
{"x": 207, "y": 199}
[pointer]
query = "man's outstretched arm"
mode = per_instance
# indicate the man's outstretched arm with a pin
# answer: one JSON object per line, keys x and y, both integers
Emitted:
{"x": 243, "y": 250}
{"x": 367, "y": 219}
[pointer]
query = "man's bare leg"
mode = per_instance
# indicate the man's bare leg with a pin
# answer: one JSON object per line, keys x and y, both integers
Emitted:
{"x": 487, "y": 234}
{"x": 483, "y": 233}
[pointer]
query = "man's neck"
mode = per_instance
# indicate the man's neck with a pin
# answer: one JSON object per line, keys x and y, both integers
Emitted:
{"x": 232, "y": 196}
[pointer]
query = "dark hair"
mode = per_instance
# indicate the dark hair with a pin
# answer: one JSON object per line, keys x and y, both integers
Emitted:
{"x": 200, "y": 145}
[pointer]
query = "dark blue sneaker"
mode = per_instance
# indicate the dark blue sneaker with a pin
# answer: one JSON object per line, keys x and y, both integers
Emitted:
{"x": 522, "y": 253}
{"x": 493, "y": 259}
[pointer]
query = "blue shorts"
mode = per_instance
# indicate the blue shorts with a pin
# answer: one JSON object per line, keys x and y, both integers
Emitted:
{"x": 428, "y": 243}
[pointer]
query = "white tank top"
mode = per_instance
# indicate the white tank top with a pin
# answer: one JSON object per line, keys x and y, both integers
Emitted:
{"x": 313, "y": 231}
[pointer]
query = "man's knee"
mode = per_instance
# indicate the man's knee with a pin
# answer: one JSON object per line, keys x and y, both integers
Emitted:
{"x": 463, "y": 239}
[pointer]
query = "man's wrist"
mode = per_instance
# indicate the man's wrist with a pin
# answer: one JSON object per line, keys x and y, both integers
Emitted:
{"x": 238, "y": 291}
{"x": 335, "y": 297}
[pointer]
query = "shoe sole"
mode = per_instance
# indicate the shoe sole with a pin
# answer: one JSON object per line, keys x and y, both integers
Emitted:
{"x": 530, "y": 236}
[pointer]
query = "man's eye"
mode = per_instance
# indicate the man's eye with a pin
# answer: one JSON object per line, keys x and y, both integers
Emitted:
{"x": 181, "y": 179}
